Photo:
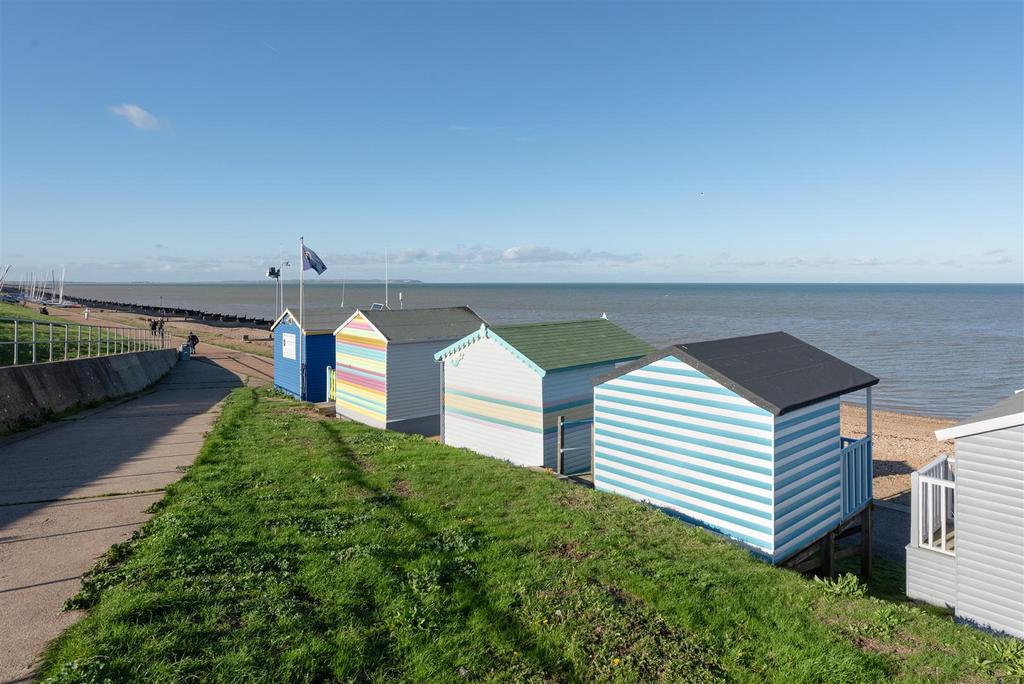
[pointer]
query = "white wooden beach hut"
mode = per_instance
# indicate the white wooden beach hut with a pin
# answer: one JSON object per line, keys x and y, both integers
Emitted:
{"x": 507, "y": 389}
{"x": 385, "y": 375}
{"x": 738, "y": 435}
{"x": 966, "y": 550}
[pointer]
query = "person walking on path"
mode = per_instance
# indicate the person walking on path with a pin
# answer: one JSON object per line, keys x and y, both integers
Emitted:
{"x": 192, "y": 340}
{"x": 152, "y": 327}
{"x": 160, "y": 327}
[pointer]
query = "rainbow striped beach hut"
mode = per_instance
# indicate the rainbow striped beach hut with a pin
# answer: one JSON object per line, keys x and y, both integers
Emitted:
{"x": 505, "y": 388}
{"x": 385, "y": 375}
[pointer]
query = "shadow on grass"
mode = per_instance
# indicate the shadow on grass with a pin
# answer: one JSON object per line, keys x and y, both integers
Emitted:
{"x": 888, "y": 579}
{"x": 515, "y": 633}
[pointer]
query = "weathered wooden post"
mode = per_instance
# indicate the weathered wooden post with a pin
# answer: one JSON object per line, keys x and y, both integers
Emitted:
{"x": 865, "y": 540}
{"x": 828, "y": 555}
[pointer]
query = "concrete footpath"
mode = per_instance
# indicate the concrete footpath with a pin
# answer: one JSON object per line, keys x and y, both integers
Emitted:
{"x": 71, "y": 489}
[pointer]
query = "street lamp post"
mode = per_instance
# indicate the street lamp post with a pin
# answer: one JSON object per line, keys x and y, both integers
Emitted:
{"x": 275, "y": 273}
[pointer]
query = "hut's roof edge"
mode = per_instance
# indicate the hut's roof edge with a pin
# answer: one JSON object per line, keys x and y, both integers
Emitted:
{"x": 776, "y": 371}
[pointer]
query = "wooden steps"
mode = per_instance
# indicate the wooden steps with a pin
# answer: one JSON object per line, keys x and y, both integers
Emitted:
{"x": 325, "y": 408}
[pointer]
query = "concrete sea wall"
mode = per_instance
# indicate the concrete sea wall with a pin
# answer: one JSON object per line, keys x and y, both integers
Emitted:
{"x": 32, "y": 393}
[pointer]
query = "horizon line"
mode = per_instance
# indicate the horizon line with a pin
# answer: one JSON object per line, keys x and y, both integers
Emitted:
{"x": 416, "y": 281}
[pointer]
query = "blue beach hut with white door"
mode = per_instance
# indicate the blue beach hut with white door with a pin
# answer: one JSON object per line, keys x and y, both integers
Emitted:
{"x": 741, "y": 436}
{"x": 316, "y": 338}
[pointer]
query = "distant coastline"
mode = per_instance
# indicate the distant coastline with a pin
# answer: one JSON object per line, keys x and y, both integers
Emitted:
{"x": 536, "y": 283}
{"x": 322, "y": 281}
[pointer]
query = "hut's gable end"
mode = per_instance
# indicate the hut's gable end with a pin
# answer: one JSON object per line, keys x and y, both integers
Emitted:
{"x": 360, "y": 372}
{"x": 990, "y": 529}
{"x": 570, "y": 394}
{"x": 286, "y": 356}
{"x": 668, "y": 434}
{"x": 493, "y": 403}
{"x": 807, "y": 477}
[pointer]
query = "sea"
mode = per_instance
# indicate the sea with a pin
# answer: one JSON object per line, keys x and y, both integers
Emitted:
{"x": 940, "y": 350}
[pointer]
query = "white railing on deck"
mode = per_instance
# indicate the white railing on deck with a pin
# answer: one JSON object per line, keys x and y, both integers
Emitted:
{"x": 856, "y": 474}
{"x": 933, "y": 506}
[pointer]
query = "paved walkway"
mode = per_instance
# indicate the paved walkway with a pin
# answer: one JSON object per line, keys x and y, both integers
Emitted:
{"x": 73, "y": 488}
{"x": 891, "y": 526}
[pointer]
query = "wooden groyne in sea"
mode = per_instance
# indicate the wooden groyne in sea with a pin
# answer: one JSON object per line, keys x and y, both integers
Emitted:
{"x": 205, "y": 317}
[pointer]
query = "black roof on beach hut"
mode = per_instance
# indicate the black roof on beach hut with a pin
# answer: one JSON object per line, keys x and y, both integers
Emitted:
{"x": 776, "y": 371}
{"x": 420, "y": 325}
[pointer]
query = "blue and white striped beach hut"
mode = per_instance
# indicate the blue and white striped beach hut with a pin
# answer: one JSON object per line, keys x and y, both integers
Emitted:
{"x": 316, "y": 338}
{"x": 738, "y": 435}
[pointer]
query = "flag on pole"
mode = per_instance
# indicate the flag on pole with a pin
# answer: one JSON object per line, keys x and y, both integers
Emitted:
{"x": 311, "y": 261}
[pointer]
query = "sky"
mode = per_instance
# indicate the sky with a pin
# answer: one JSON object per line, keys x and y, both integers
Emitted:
{"x": 514, "y": 142}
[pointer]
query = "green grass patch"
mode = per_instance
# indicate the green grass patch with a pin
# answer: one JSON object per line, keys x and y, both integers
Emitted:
{"x": 304, "y": 549}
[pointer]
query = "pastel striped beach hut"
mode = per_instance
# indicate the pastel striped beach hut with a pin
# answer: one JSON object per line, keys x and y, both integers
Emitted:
{"x": 506, "y": 386}
{"x": 738, "y": 435}
{"x": 385, "y": 375}
{"x": 312, "y": 345}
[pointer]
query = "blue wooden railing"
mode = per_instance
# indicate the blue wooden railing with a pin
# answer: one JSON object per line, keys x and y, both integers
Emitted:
{"x": 856, "y": 474}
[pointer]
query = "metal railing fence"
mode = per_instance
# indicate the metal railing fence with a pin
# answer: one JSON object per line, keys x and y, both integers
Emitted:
{"x": 25, "y": 341}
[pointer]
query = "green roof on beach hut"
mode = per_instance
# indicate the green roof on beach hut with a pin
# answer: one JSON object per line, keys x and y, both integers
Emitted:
{"x": 567, "y": 344}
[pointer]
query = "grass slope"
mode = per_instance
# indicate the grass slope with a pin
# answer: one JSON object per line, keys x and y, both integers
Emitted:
{"x": 306, "y": 549}
{"x": 116, "y": 344}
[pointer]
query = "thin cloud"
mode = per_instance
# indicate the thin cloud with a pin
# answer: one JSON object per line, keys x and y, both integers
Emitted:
{"x": 726, "y": 260}
{"x": 139, "y": 117}
{"x": 524, "y": 254}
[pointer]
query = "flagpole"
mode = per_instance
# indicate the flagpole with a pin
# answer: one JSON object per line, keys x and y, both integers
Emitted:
{"x": 302, "y": 303}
